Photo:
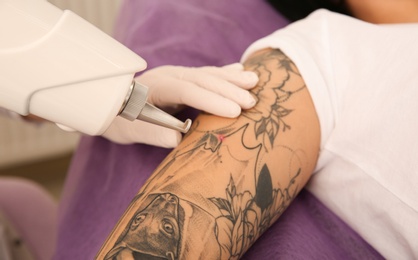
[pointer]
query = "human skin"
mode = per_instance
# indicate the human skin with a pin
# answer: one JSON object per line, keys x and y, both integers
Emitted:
{"x": 384, "y": 11}
{"x": 215, "y": 205}
{"x": 229, "y": 179}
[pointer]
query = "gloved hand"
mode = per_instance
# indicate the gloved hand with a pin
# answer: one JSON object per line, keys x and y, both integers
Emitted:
{"x": 222, "y": 91}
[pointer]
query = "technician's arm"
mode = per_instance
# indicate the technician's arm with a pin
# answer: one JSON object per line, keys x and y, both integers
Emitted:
{"x": 229, "y": 179}
{"x": 57, "y": 66}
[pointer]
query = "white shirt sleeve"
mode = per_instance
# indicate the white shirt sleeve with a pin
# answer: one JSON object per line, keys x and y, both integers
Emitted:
{"x": 318, "y": 46}
{"x": 306, "y": 42}
{"x": 363, "y": 79}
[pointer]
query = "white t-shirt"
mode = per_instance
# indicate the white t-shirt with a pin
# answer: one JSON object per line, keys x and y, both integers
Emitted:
{"x": 363, "y": 79}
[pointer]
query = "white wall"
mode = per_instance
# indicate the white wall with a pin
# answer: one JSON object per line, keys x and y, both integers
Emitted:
{"x": 101, "y": 13}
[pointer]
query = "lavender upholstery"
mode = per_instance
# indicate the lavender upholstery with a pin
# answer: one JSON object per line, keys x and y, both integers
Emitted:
{"x": 32, "y": 213}
{"x": 104, "y": 176}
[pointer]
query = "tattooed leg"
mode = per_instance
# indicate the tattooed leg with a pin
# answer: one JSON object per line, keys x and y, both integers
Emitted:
{"x": 229, "y": 179}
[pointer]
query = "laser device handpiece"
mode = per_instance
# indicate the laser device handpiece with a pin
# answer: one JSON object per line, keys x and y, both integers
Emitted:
{"x": 57, "y": 66}
{"x": 137, "y": 107}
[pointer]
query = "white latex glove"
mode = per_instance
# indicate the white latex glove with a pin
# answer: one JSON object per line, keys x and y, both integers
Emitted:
{"x": 222, "y": 91}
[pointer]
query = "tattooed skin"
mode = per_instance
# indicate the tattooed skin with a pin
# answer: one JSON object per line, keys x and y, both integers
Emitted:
{"x": 229, "y": 179}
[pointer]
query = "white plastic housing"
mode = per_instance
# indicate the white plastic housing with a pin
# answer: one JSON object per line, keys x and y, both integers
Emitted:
{"x": 56, "y": 65}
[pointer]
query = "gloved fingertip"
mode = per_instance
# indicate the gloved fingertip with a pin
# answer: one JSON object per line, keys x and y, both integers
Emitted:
{"x": 245, "y": 99}
{"x": 250, "y": 78}
{"x": 171, "y": 139}
{"x": 233, "y": 112}
{"x": 237, "y": 66}
{"x": 178, "y": 139}
{"x": 251, "y": 102}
